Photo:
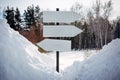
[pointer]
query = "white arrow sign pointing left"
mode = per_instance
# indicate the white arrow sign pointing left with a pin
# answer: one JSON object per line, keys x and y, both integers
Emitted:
{"x": 60, "y": 31}
{"x": 60, "y": 16}
{"x": 55, "y": 45}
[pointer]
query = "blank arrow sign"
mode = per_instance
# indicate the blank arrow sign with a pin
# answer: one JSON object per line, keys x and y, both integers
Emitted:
{"x": 60, "y": 16}
{"x": 61, "y": 31}
{"x": 55, "y": 45}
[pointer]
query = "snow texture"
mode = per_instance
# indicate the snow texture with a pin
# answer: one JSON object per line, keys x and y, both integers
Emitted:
{"x": 20, "y": 59}
{"x": 105, "y": 65}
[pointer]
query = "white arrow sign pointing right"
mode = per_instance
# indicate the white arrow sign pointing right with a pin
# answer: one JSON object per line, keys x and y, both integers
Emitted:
{"x": 60, "y": 31}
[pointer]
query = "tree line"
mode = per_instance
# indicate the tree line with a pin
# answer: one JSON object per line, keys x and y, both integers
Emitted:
{"x": 18, "y": 21}
{"x": 98, "y": 30}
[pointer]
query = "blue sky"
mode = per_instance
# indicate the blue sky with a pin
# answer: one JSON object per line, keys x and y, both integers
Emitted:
{"x": 53, "y": 4}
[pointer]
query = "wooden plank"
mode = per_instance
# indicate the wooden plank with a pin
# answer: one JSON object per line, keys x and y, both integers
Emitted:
{"x": 60, "y": 31}
{"x": 60, "y": 16}
{"x": 55, "y": 45}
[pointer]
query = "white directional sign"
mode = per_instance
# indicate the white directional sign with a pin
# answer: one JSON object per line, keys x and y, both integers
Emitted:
{"x": 60, "y": 31}
{"x": 60, "y": 16}
{"x": 55, "y": 45}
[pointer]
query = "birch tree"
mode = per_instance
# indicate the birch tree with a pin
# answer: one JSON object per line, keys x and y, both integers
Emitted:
{"x": 99, "y": 23}
{"x": 76, "y": 8}
{"x": 107, "y": 8}
{"x": 96, "y": 24}
{"x": 76, "y": 41}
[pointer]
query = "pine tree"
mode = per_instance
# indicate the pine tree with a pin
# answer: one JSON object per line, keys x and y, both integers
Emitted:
{"x": 10, "y": 17}
{"x": 25, "y": 17}
{"x": 29, "y": 17}
{"x": 17, "y": 19}
{"x": 32, "y": 15}
{"x": 37, "y": 14}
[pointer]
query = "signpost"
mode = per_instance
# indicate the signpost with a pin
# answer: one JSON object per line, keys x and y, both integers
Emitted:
{"x": 58, "y": 31}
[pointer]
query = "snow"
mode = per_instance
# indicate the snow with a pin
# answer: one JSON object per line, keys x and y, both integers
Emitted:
{"x": 0, "y": 13}
{"x": 66, "y": 59}
{"x": 20, "y": 59}
{"x": 105, "y": 65}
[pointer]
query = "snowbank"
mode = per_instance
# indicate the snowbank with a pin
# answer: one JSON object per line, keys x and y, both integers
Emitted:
{"x": 20, "y": 59}
{"x": 105, "y": 65}
{"x": 66, "y": 59}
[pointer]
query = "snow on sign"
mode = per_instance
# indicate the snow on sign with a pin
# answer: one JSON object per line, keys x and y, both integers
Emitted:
{"x": 55, "y": 45}
{"x": 60, "y": 16}
{"x": 60, "y": 31}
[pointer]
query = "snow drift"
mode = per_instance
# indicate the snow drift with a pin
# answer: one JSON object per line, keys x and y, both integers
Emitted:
{"x": 103, "y": 66}
{"x": 20, "y": 59}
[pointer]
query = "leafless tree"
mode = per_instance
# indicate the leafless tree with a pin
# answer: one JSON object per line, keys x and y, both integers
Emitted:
{"x": 98, "y": 22}
{"x": 107, "y": 7}
{"x": 76, "y": 8}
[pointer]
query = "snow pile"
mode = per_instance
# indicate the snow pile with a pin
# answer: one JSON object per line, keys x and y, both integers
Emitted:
{"x": 20, "y": 59}
{"x": 105, "y": 65}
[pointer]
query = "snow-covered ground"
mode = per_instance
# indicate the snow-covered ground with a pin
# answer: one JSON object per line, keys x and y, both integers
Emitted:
{"x": 21, "y": 60}
{"x": 66, "y": 59}
{"x": 105, "y": 65}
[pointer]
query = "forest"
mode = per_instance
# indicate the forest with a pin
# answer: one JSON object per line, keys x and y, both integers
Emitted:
{"x": 98, "y": 29}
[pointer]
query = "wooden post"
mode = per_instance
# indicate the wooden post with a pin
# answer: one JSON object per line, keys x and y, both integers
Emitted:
{"x": 57, "y": 61}
{"x": 57, "y": 52}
